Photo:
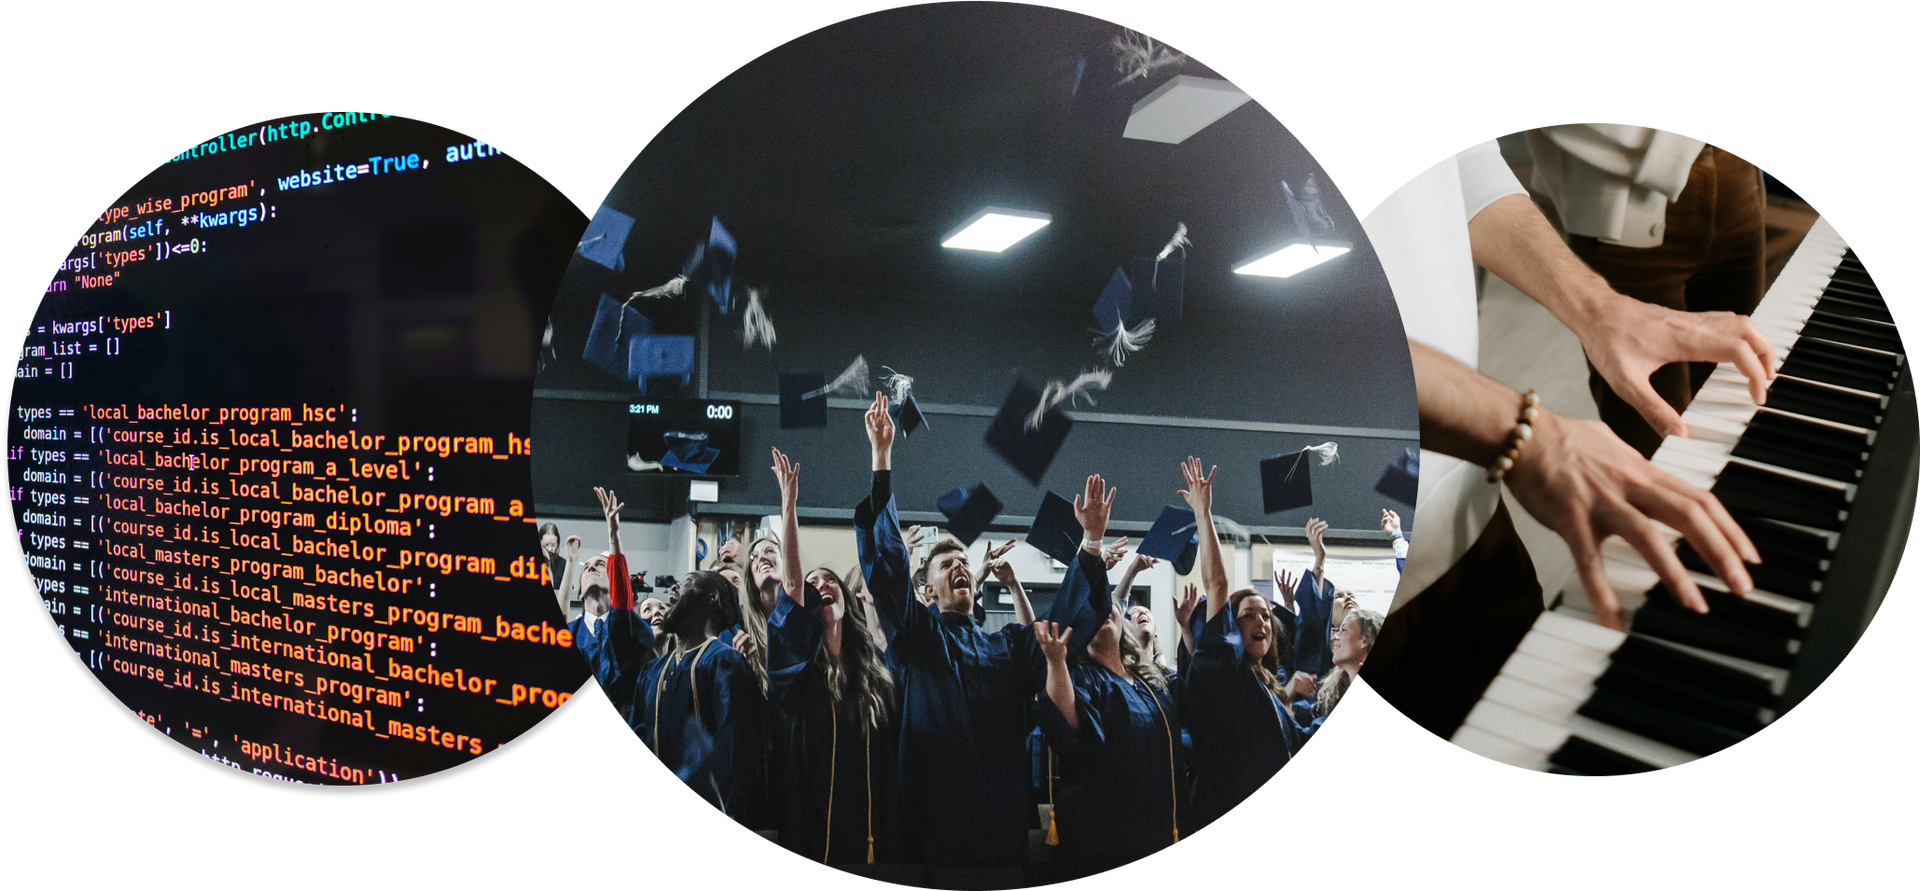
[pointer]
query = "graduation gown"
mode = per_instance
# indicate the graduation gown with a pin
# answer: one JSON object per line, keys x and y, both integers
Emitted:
{"x": 584, "y": 639}
{"x": 1310, "y": 651}
{"x": 842, "y": 798}
{"x": 1120, "y": 794}
{"x": 618, "y": 669}
{"x": 1242, "y": 733}
{"x": 963, "y": 766}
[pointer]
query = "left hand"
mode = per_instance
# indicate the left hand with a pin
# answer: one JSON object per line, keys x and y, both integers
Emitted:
{"x": 729, "y": 552}
{"x": 1317, "y": 537}
{"x": 1184, "y": 607}
{"x": 743, "y": 642}
{"x": 1115, "y": 552}
{"x": 788, "y": 473}
{"x": 1053, "y": 641}
{"x": 1092, "y": 508}
{"x": 1283, "y": 585}
{"x": 1390, "y": 522}
{"x": 997, "y": 565}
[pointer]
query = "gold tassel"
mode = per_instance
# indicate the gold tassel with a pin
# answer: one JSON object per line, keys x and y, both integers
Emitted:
{"x": 1053, "y": 812}
{"x": 1053, "y": 828}
{"x": 869, "y": 849}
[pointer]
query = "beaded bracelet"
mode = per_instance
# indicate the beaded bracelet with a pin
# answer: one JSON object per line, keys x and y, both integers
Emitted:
{"x": 1522, "y": 431}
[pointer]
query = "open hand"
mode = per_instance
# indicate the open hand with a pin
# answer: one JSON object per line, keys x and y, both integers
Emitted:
{"x": 1317, "y": 537}
{"x": 1092, "y": 508}
{"x": 1112, "y": 554}
{"x": 1184, "y": 607}
{"x": 880, "y": 429}
{"x": 1390, "y": 522}
{"x": 997, "y": 565}
{"x": 610, "y": 506}
{"x": 788, "y": 473}
{"x": 1199, "y": 491}
{"x": 1581, "y": 481}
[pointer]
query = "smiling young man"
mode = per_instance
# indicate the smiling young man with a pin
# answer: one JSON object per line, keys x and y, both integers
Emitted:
{"x": 965, "y": 692}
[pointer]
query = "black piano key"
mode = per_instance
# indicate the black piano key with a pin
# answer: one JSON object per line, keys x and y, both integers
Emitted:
{"x": 1768, "y": 575}
{"x": 1842, "y": 356}
{"x": 1794, "y": 444}
{"x": 1654, "y": 722}
{"x": 1746, "y": 489}
{"x": 1701, "y": 674}
{"x": 1800, "y": 397}
{"x": 1845, "y": 301}
{"x": 1582, "y": 758}
{"x": 1814, "y": 368}
{"x": 1726, "y": 711}
{"x": 1715, "y": 632}
{"x": 1871, "y": 335}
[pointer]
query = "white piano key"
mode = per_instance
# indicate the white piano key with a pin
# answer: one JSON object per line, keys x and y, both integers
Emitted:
{"x": 1499, "y": 748}
{"x": 1634, "y": 569}
{"x": 1633, "y": 745}
{"x": 1586, "y": 634}
{"x": 1534, "y": 700}
{"x": 1574, "y": 658}
{"x": 1551, "y": 675}
{"x": 1510, "y": 723}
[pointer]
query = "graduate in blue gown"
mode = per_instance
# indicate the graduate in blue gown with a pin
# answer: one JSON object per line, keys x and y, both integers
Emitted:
{"x": 965, "y": 694}
{"x": 835, "y": 711}
{"x": 1235, "y": 702}
{"x": 1313, "y": 596}
{"x": 695, "y": 704}
{"x": 1111, "y": 721}
{"x": 590, "y": 627}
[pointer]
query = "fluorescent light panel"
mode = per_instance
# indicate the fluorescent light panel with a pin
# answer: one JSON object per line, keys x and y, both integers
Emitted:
{"x": 994, "y": 229}
{"x": 703, "y": 490}
{"x": 1182, "y": 107}
{"x": 1290, "y": 259}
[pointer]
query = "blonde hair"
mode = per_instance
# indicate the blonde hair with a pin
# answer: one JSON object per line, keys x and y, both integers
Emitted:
{"x": 1339, "y": 679}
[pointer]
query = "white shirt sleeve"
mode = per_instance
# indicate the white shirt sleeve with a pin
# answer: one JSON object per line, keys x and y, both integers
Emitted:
{"x": 1485, "y": 177}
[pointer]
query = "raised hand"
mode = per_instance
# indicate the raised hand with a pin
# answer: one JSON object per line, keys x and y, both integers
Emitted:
{"x": 917, "y": 536}
{"x": 610, "y": 506}
{"x": 1053, "y": 641}
{"x": 788, "y": 473}
{"x": 997, "y": 565}
{"x": 730, "y": 552}
{"x": 1142, "y": 562}
{"x": 880, "y": 432}
{"x": 1092, "y": 507}
{"x": 1184, "y": 607}
{"x": 573, "y": 547}
{"x": 1317, "y": 537}
{"x": 743, "y": 642}
{"x": 1112, "y": 554}
{"x": 1390, "y": 522}
{"x": 1199, "y": 491}
{"x": 1303, "y": 685}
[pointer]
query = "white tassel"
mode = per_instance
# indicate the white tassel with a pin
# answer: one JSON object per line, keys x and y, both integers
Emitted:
{"x": 590, "y": 241}
{"x": 1329, "y": 452}
{"x": 1120, "y": 343}
{"x": 1137, "y": 56}
{"x": 896, "y": 384}
{"x": 675, "y": 287}
{"x": 1240, "y": 534}
{"x": 637, "y": 465}
{"x": 1057, "y": 392}
{"x": 1180, "y": 242}
{"x": 852, "y": 382}
{"x": 755, "y": 326}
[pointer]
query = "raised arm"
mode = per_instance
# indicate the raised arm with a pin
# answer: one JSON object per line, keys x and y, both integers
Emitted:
{"x": 1627, "y": 340}
{"x": 1317, "y": 538}
{"x": 1124, "y": 592}
{"x": 1581, "y": 481}
{"x": 876, "y": 523}
{"x": 1183, "y": 613}
{"x": 1213, "y": 567}
{"x": 788, "y": 473}
{"x": 1053, "y": 644}
{"x": 610, "y": 506}
{"x": 1002, "y": 571}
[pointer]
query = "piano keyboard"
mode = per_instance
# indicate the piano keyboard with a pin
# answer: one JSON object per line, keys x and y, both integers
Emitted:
{"x": 1822, "y": 480}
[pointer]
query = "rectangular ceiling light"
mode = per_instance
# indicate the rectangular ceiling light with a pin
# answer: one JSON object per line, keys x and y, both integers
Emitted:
{"x": 995, "y": 229}
{"x": 703, "y": 490}
{"x": 1182, "y": 107}
{"x": 1291, "y": 258}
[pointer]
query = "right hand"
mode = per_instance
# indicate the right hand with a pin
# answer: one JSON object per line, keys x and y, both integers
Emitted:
{"x": 1303, "y": 685}
{"x": 1317, "y": 537}
{"x": 1629, "y": 340}
{"x": 1112, "y": 554}
{"x": 1142, "y": 562}
{"x": 1283, "y": 585}
{"x": 729, "y": 552}
{"x": 1092, "y": 507}
{"x": 1390, "y": 522}
{"x": 1184, "y": 607}
{"x": 997, "y": 565}
{"x": 1581, "y": 481}
{"x": 609, "y": 506}
{"x": 1199, "y": 490}
{"x": 879, "y": 425}
{"x": 1053, "y": 641}
{"x": 788, "y": 473}
{"x": 573, "y": 547}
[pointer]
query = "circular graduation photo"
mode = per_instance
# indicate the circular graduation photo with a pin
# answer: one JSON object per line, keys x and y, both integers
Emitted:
{"x": 1671, "y": 436}
{"x": 975, "y": 444}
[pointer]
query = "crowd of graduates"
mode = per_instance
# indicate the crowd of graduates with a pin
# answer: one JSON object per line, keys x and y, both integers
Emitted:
{"x": 871, "y": 718}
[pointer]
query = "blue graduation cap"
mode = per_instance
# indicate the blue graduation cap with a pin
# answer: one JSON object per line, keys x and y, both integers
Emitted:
{"x": 1030, "y": 452}
{"x": 1056, "y": 531}
{"x": 660, "y": 361}
{"x": 1401, "y": 482}
{"x": 614, "y": 327}
{"x": 1160, "y": 288}
{"x": 797, "y": 409}
{"x": 711, "y": 268}
{"x": 908, "y": 418}
{"x": 605, "y": 240}
{"x": 689, "y": 452}
{"x": 969, "y": 511}
{"x": 1115, "y": 306}
{"x": 1175, "y": 538}
{"x": 1286, "y": 481}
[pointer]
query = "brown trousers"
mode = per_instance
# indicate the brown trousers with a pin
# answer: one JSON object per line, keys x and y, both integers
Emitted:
{"x": 1436, "y": 655}
{"x": 1712, "y": 258}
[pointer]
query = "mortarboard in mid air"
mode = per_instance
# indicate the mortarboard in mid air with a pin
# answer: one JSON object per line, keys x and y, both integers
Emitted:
{"x": 1401, "y": 482}
{"x": 1029, "y": 451}
{"x": 605, "y": 240}
{"x": 1159, "y": 285}
{"x": 662, "y": 364}
{"x": 615, "y": 325}
{"x": 803, "y": 400}
{"x": 1056, "y": 532}
{"x": 710, "y": 269}
{"x": 688, "y": 452}
{"x": 1115, "y": 306}
{"x": 1286, "y": 479}
{"x": 1175, "y": 538}
{"x": 969, "y": 511}
{"x": 907, "y": 416}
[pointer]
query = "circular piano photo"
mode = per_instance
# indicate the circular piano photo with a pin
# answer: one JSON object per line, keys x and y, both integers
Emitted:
{"x": 865, "y": 416}
{"x": 1671, "y": 449}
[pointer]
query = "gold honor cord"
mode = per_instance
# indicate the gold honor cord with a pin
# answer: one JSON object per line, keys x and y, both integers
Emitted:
{"x": 660, "y": 686}
{"x": 867, "y": 736}
{"x": 1053, "y": 811}
{"x": 1173, "y": 778}
{"x": 833, "y": 768}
